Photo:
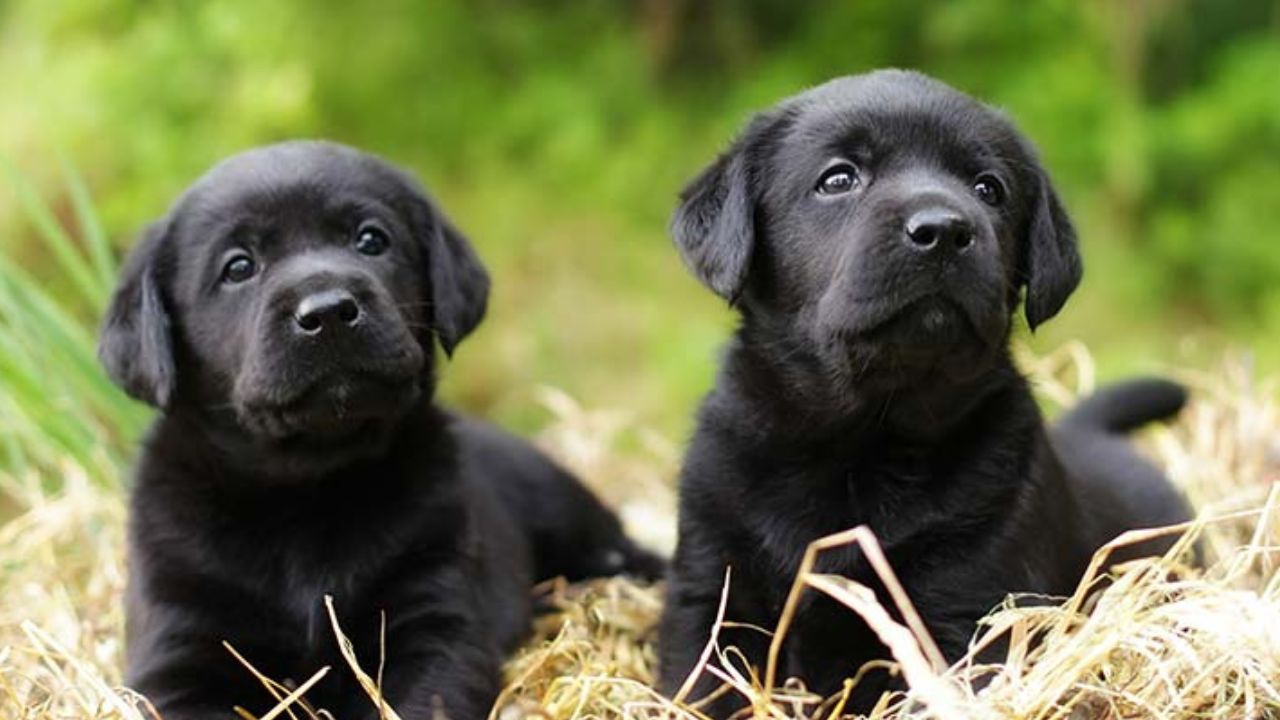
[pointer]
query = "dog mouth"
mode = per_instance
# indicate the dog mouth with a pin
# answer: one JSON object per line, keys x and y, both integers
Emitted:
{"x": 335, "y": 408}
{"x": 930, "y": 320}
{"x": 933, "y": 331}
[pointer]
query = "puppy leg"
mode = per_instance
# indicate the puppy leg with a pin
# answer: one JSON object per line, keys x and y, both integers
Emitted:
{"x": 693, "y": 600}
{"x": 441, "y": 655}
{"x": 453, "y": 677}
{"x": 199, "y": 679}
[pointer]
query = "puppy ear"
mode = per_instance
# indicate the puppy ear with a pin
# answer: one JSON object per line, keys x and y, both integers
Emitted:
{"x": 714, "y": 226}
{"x": 135, "y": 344}
{"x": 459, "y": 282}
{"x": 1051, "y": 259}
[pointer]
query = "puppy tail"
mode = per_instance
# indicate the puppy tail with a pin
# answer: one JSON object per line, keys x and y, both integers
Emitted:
{"x": 1126, "y": 406}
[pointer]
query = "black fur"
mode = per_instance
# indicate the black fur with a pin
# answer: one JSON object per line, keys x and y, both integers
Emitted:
{"x": 869, "y": 381}
{"x": 302, "y": 456}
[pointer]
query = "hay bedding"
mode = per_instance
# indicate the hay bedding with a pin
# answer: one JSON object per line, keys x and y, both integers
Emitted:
{"x": 1159, "y": 641}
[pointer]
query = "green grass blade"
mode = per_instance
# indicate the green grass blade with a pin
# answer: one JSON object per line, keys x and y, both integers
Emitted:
{"x": 64, "y": 347}
{"x": 57, "y": 403}
{"x": 16, "y": 461}
{"x": 92, "y": 234}
{"x": 69, "y": 258}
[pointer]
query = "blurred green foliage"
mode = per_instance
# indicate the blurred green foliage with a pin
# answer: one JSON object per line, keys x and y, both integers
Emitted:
{"x": 558, "y": 132}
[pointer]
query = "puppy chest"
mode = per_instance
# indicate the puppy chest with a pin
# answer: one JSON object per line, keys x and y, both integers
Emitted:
{"x": 798, "y": 505}
{"x": 780, "y": 518}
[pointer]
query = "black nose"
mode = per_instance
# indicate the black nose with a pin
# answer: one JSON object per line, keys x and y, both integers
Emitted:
{"x": 938, "y": 229}
{"x": 326, "y": 309}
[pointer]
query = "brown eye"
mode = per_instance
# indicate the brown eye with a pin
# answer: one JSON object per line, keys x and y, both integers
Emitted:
{"x": 989, "y": 189}
{"x": 238, "y": 269}
{"x": 837, "y": 180}
{"x": 371, "y": 240}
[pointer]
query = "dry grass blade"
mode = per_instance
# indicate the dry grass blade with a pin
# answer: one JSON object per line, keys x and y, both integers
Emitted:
{"x": 90, "y": 690}
{"x": 370, "y": 686}
{"x": 902, "y": 642}
{"x": 687, "y": 686}
{"x": 915, "y": 650}
{"x": 592, "y": 657}
{"x": 288, "y": 701}
{"x": 285, "y": 699}
{"x": 61, "y": 578}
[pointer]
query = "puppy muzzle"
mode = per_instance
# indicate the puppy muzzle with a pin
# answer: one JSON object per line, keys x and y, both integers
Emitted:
{"x": 330, "y": 354}
{"x": 926, "y": 280}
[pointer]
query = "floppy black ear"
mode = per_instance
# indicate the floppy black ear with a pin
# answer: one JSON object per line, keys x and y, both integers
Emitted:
{"x": 459, "y": 282}
{"x": 714, "y": 226}
{"x": 1052, "y": 266}
{"x": 135, "y": 344}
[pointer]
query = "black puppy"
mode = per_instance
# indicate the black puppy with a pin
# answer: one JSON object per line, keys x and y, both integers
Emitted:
{"x": 283, "y": 317}
{"x": 875, "y": 233}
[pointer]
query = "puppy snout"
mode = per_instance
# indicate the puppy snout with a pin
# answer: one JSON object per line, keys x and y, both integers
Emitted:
{"x": 327, "y": 310}
{"x": 938, "y": 229}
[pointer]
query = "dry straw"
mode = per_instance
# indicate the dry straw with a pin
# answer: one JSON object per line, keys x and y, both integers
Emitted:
{"x": 1150, "y": 639}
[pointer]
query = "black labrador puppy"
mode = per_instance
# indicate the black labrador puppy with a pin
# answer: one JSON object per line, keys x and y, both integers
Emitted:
{"x": 283, "y": 317}
{"x": 875, "y": 234}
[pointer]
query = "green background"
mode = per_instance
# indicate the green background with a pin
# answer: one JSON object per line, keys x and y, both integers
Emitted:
{"x": 558, "y": 133}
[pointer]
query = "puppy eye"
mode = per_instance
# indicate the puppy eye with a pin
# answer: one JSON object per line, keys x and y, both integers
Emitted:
{"x": 989, "y": 189}
{"x": 371, "y": 240}
{"x": 837, "y": 180}
{"x": 238, "y": 269}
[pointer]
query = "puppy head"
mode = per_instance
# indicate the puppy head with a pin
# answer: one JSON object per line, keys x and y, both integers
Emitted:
{"x": 299, "y": 286}
{"x": 881, "y": 224}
